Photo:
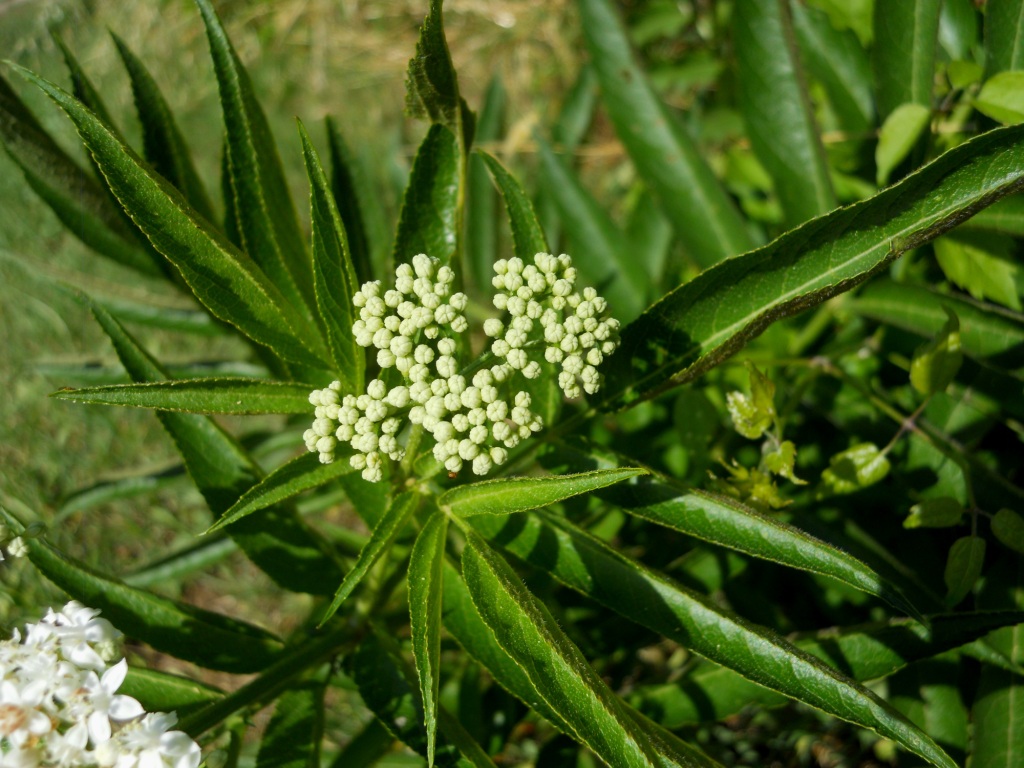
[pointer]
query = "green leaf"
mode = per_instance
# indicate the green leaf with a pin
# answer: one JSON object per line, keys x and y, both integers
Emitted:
{"x": 380, "y": 541}
{"x": 334, "y": 275}
{"x": 211, "y": 395}
{"x": 594, "y": 569}
{"x": 936, "y": 362}
{"x": 294, "y": 734}
{"x": 1008, "y": 527}
{"x": 855, "y": 468}
{"x": 163, "y": 317}
{"x": 602, "y": 254}
{"x": 162, "y": 142}
{"x": 525, "y": 629}
{"x": 169, "y": 626}
{"x": 777, "y": 109}
{"x": 425, "y": 590}
{"x": 388, "y": 689}
{"x": 1002, "y": 98}
{"x": 77, "y": 200}
{"x": 837, "y": 59}
{"x": 940, "y": 512}
{"x": 276, "y": 540}
{"x": 481, "y": 204}
{"x": 527, "y": 235}
{"x": 267, "y": 220}
{"x": 227, "y": 282}
{"x": 145, "y": 480}
{"x": 81, "y": 86}
{"x": 508, "y": 496}
{"x": 1004, "y": 36}
{"x": 668, "y": 160}
{"x": 430, "y": 218}
{"x": 431, "y": 84}
{"x": 986, "y": 334}
{"x": 163, "y": 692}
{"x": 864, "y": 652}
{"x": 983, "y": 264}
{"x": 728, "y": 523}
{"x": 347, "y": 188}
{"x": 298, "y": 475}
{"x": 906, "y": 38}
{"x": 463, "y": 621}
{"x": 696, "y": 326}
{"x": 900, "y": 133}
{"x": 963, "y": 567}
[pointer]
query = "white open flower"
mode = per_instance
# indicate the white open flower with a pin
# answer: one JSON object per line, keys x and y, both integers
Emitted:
{"x": 59, "y": 706}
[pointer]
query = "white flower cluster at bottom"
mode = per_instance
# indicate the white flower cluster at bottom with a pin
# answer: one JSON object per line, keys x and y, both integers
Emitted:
{"x": 59, "y": 704}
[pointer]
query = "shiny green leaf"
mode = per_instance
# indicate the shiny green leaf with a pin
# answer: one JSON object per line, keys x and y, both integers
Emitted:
{"x": 507, "y": 496}
{"x": 162, "y": 142}
{"x": 431, "y": 84}
{"x": 298, "y": 475}
{"x": 557, "y": 669}
{"x": 1002, "y": 98}
{"x": 696, "y": 326}
{"x": 334, "y": 275}
{"x": 425, "y": 590}
{"x": 266, "y": 214}
{"x": 900, "y": 132}
{"x": 163, "y": 692}
{"x": 669, "y": 161}
{"x": 865, "y": 652}
{"x": 527, "y": 236}
{"x": 350, "y": 193}
{"x": 212, "y": 395}
{"x": 777, "y": 109}
{"x": 430, "y": 219}
{"x": 384, "y": 533}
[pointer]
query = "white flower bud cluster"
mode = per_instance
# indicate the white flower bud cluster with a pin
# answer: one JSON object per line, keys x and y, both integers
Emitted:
{"x": 575, "y": 335}
{"x": 474, "y": 418}
{"x": 59, "y": 705}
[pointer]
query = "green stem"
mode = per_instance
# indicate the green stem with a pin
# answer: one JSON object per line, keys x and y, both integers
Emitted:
{"x": 275, "y": 679}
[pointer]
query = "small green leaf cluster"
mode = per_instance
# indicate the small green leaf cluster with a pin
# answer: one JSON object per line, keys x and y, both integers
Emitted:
{"x": 755, "y": 417}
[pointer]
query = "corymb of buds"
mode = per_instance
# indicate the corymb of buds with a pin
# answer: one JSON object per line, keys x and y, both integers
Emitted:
{"x": 475, "y": 408}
